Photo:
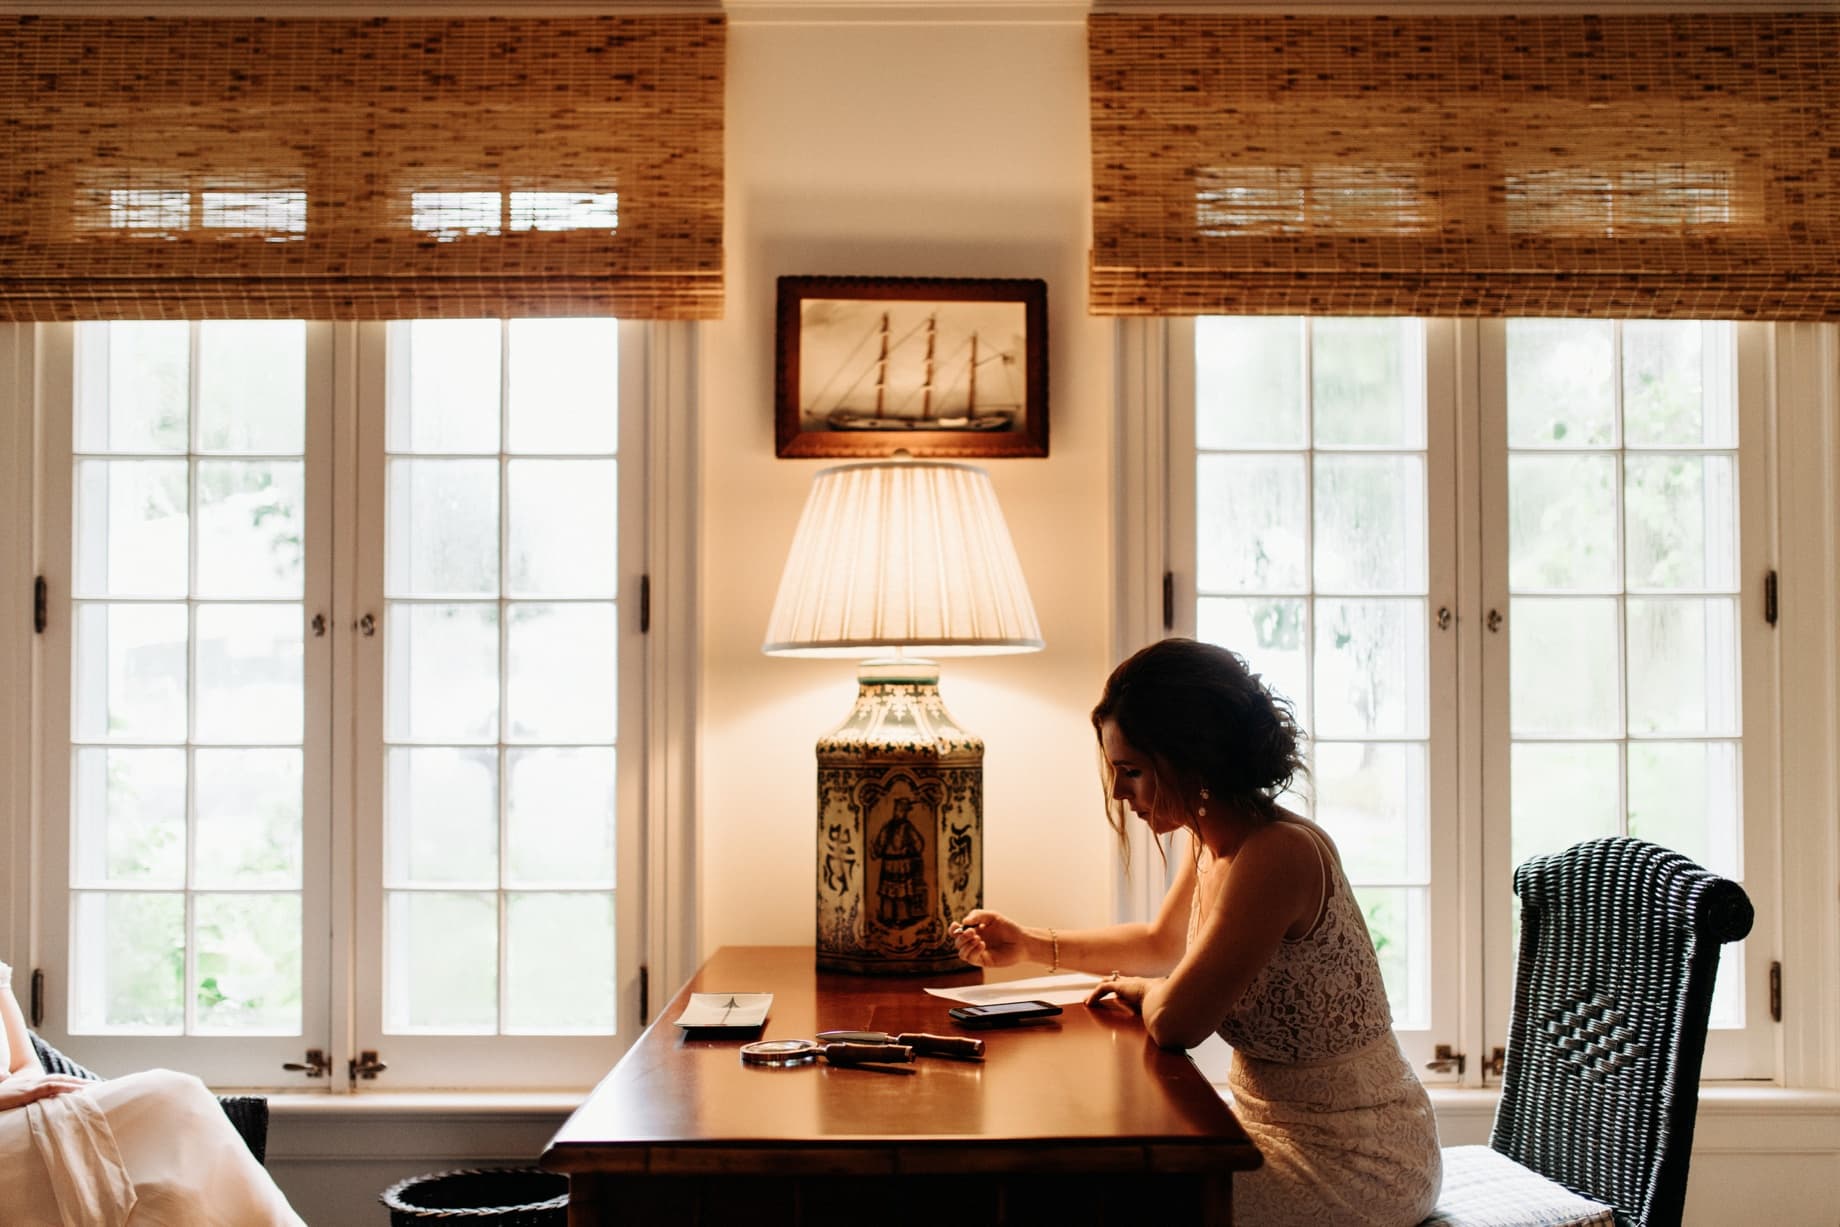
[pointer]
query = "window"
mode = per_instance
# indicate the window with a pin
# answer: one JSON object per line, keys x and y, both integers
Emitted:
{"x": 1505, "y": 572}
{"x": 279, "y": 664}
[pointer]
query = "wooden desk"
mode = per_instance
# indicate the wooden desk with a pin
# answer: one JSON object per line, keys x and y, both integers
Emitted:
{"x": 1082, "y": 1120}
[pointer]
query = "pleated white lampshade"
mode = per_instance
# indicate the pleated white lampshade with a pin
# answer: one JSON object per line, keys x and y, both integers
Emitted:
{"x": 907, "y": 554}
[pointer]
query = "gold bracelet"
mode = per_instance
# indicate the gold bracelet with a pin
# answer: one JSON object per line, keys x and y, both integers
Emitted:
{"x": 1054, "y": 938}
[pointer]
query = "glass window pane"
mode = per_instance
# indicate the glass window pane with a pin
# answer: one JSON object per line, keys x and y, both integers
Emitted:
{"x": 130, "y": 672}
{"x": 128, "y": 962}
{"x": 1584, "y": 697}
{"x": 561, "y": 665}
{"x": 133, "y": 528}
{"x": 1563, "y": 793}
{"x": 1683, "y": 665}
{"x": 444, "y": 386}
{"x": 1671, "y": 395}
{"x": 130, "y": 816}
{"x": 1561, "y": 383}
{"x": 252, "y": 386}
{"x": 442, "y": 673}
{"x": 1249, "y": 382}
{"x": 564, "y": 386}
{"x": 250, "y": 814}
{"x": 1681, "y": 518}
{"x": 1251, "y": 524}
{"x": 443, "y": 528}
{"x": 559, "y": 964}
{"x": 250, "y": 685}
{"x": 1562, "y": 524}
{"x": 1684, "y": 795}
{"x": 1398, "y": 923}
{"x": 1367, "y": 383}
{"x": 442, "y": 952}
{"x": 133, "y": 387}
{"x": 1272, "y": 637}
{"x": 443, "y": 806}
{"x": 1372, "y": 798}
{"x": 1371, "y": 669}
{"x": 561, "y": 813}
{"x": 1370, "y": 523}
{"x": 252, "y": 517}
{"x": 563, "y": 527}
{"x": 248, "y": 964}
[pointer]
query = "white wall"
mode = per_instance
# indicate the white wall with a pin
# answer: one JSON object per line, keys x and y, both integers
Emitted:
{"x": 891, "y": 149}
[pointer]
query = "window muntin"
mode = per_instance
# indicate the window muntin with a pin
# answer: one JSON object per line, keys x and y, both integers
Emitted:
{"x": 1312, "y": 562}
{"x": 188, "y": 697}
{"x": 1623, "y": 611}
{"x": 501, "y": 677}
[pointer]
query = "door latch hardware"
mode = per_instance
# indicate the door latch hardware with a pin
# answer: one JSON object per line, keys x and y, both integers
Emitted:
{"x": 1447, "y": 1061}
{"x": 366, "y": 1065}
{"x": 1498, "y": 1057}
{"x": 317, "y": 1065}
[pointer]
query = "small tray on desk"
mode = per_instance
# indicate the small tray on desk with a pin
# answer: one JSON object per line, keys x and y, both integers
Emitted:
{"x": 720, "y": 1012}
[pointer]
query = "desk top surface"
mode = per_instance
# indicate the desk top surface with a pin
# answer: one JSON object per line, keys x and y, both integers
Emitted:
{"x": 1089, "y": 1084}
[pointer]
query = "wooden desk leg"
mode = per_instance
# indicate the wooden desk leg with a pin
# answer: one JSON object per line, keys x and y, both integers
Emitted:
{"x": 589, "y": 1204}
{"x": 1217, "y": 1201}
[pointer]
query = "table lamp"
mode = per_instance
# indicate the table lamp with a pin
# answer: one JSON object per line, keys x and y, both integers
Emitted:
{"x": 893, "y": 563}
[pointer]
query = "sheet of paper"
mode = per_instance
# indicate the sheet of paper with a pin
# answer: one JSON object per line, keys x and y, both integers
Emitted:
{"x": 733, "y": 1010}
{"x": 1064, "y": 989}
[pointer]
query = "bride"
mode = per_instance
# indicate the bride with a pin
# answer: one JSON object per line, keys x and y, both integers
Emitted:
{"x": 148, "y": 1150}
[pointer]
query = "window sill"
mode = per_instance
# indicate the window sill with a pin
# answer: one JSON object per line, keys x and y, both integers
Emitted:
{"x": 1714, "y": 1097}
{"x": 307, "y": 1105}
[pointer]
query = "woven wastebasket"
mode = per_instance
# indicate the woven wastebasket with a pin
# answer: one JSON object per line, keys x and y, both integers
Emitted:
{"x": 478, "y": 1197}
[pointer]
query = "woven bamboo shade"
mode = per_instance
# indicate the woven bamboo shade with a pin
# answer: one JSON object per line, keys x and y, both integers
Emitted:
{"x": 1654, "y": 165}
{"x": 228, "y": 168}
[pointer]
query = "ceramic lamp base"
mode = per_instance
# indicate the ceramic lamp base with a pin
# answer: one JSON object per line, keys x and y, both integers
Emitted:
{"x": 900, "y": 827}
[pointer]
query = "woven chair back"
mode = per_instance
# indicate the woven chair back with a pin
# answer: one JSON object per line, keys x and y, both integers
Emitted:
{"x": 1619, "y": 948}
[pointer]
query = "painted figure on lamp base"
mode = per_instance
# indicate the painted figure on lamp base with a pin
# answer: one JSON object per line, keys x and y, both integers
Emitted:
{"x": 900, "y": 835}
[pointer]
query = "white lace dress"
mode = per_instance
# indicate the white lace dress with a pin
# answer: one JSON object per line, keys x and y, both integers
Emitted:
{"x": 148, "y": 1150}
{"x": 1318, "y": 1081}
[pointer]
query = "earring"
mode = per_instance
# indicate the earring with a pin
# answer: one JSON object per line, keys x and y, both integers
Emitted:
{"x": 1201, "y": 810}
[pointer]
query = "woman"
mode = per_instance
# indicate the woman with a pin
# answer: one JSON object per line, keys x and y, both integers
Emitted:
{"x": 1259, "y": 939}
{"x": 147, "y": 1150}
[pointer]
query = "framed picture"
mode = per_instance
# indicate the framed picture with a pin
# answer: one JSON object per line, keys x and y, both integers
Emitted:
{"x": 937, "y": 366}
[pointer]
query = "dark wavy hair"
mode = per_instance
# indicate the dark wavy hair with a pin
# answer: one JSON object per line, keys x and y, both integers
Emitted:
{"x": 1204, "y": 720}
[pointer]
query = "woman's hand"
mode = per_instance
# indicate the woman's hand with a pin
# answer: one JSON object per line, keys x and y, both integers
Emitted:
{"x": 22, "y": 1089}
{"x": 1129, "y": 990}
{"x": 989, "y": 939}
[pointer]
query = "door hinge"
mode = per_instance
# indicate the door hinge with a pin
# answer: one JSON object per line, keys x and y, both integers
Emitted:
{"x": 645, "y": 604}
{"x": 645, "y": 994}
{"x": 41, "y": 618}
{"x": 1446, "y": 1061}
{"x": 38, "y": 998}
{"x": 1769, "y": 598}
{"x": 317, "y": 1064}
{"x": 365, "y": 1065}
{"x": 1169, "y": 600}
{"x": 1775, "y": 992}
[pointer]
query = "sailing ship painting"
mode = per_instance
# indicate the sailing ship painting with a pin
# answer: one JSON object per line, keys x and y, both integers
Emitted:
{"x": 896, "y": 365}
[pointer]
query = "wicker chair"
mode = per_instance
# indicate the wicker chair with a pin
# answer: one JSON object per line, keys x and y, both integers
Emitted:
{"x": 249, "y": 1113}
{"x": 1619, "y": 947}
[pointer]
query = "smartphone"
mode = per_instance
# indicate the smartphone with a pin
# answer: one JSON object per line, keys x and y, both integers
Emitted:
{"x": 1005, "y": 1014}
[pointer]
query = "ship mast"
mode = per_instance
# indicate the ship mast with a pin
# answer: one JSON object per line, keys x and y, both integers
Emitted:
{"x": 926, "y": 389}
{"x": 881, "y": 368}
{"x": 971, "y": 381}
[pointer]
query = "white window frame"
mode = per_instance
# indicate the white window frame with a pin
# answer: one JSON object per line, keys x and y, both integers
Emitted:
{"x": 1155, "y": 487}
{"x": 655, "y": 906}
